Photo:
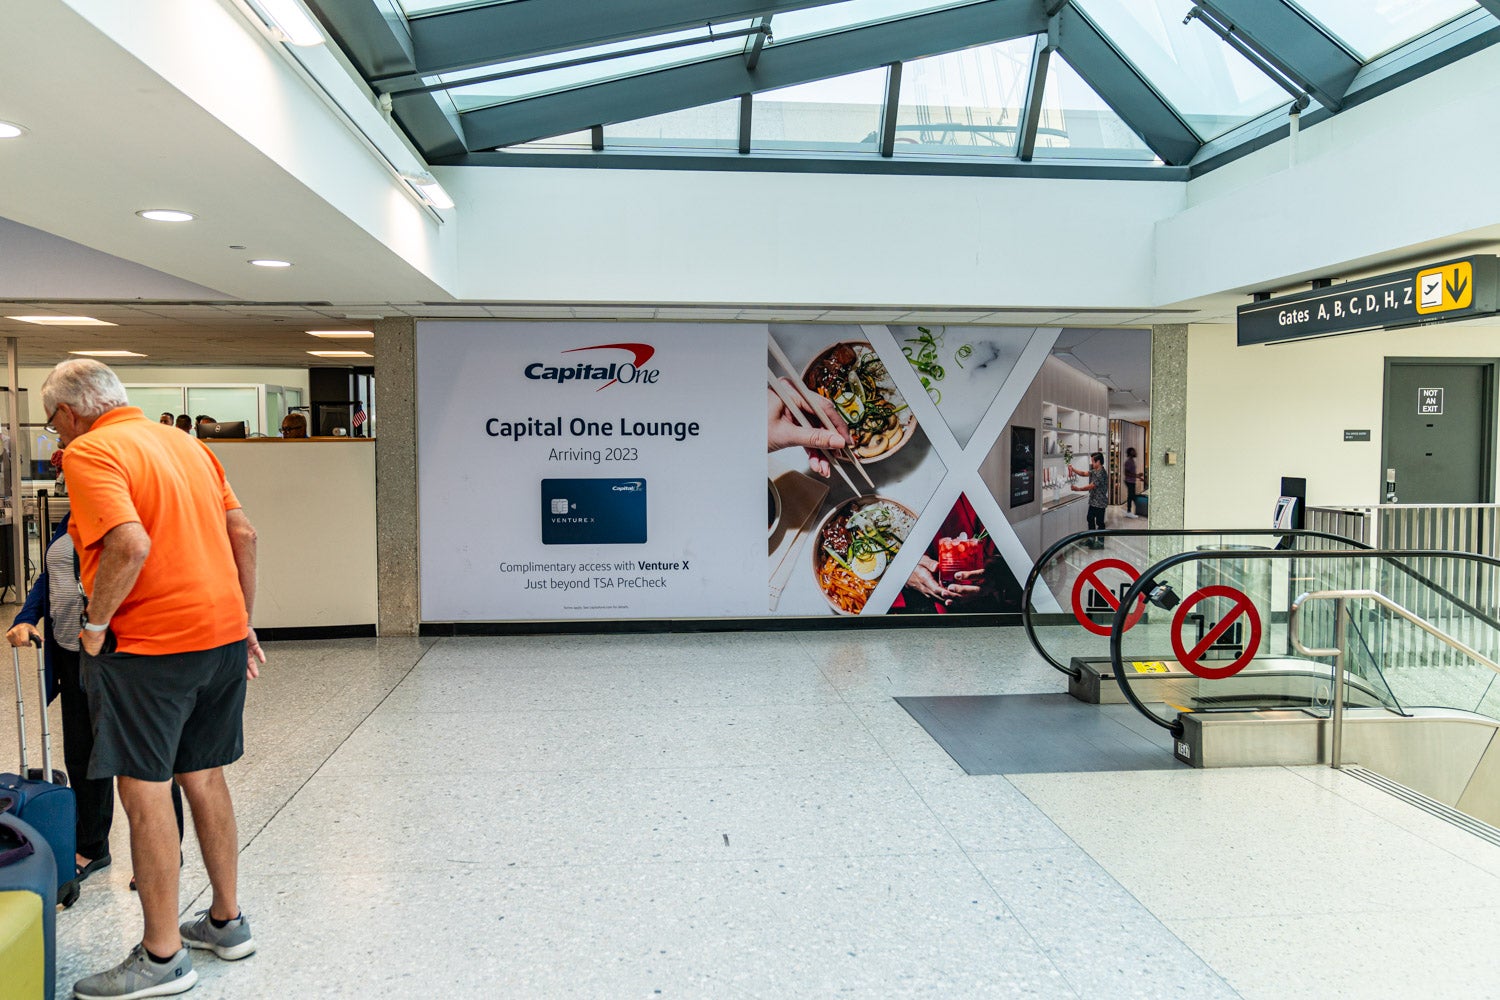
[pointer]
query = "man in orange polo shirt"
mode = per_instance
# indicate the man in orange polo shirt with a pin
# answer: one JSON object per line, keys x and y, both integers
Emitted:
{"x": 167, "y": 558}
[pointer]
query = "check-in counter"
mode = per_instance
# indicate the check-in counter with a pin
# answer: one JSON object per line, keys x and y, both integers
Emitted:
{"x": 313, "y": 505}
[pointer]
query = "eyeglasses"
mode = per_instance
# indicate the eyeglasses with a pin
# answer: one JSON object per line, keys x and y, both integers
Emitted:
{"x": 51, "y": 427}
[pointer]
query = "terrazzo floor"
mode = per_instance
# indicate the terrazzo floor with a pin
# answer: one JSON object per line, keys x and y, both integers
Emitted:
{"x": 752, "y": 815}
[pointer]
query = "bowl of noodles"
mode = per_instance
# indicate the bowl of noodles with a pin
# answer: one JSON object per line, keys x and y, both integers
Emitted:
{"x": 852, "y": 376}
{"x": 854, "y": 545}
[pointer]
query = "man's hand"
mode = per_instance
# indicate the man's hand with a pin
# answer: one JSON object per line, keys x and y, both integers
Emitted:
{"x": 21, "y": 634}
{"x": 91, "y": 642}
{"x": 253, "y": 657}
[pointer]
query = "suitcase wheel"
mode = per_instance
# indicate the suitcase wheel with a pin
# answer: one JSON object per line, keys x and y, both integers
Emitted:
{"x": 68, "y": 893}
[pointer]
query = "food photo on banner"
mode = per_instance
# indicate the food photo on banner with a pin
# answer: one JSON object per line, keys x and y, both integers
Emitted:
{"x": 960, "y": 571}
{"x": 838, "y": 534}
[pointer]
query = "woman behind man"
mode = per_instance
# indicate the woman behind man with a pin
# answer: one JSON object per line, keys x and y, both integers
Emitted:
{"x": 56, "y": 601}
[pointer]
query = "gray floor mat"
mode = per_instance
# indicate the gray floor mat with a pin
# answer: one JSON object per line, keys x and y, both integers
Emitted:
{"x": 1039, "y": 734}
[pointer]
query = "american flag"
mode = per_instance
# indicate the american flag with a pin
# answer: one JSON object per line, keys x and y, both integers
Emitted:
{"x": 359, "y": 416}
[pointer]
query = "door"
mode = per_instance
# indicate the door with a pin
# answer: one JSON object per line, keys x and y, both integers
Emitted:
{"x": 1438, "y": 421}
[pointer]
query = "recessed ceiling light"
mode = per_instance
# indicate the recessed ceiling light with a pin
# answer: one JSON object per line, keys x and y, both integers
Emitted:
{"x": 10, "y": 130}
{"x": 61, "y": 320}
{"x": 342, "y": 354}
{"x": 166, "y": 215}
{"x": 291, "y": 21}
{"x": 342, "y": 334}
{"x": 428, "y": 189}
{"x": 108, "y": 354}
{"x": 268, "y": 262}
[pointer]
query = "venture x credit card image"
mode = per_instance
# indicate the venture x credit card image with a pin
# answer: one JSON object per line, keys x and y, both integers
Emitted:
{"x": 593, "y": 511}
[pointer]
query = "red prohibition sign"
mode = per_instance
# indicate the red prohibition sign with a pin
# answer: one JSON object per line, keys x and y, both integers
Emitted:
{"x": 1090, "y": 577}
{"x": 1189, "y": 657}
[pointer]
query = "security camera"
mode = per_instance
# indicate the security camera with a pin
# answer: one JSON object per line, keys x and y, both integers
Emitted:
{"x": 1163, "y": 596}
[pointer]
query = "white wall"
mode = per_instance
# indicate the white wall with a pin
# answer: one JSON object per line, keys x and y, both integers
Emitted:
{"x": 1255, "y": 414}
{"x": 313, "y": 506}
{"x": 1381, "y": 179}
{"x": 754, "y": 238}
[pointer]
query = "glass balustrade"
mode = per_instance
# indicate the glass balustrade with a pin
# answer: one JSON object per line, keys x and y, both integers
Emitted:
{"x": 1075, "y": 586}
{"x": 1216, "y": 621}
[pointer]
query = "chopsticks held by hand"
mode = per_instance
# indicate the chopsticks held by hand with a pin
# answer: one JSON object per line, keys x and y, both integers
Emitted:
{"x": 813, "y": 400}
{"x": 793, "y": 404}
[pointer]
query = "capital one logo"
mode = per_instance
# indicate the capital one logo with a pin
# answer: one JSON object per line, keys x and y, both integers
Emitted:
{"x": 610, "y": 370}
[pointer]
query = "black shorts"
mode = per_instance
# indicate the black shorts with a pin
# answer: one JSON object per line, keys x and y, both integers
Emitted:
{"x": 156, "y": 716}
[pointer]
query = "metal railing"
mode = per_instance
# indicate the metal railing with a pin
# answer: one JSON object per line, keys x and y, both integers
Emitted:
{"x": 1456, "y": 527}
{"x": 1437, "y": 589}
{"x": 1340, "y": 599}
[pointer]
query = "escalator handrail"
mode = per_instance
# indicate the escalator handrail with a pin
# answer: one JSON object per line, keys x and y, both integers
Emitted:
{"x": 1073, "y": 539}
{"x": 1138, "y": 590}
{"x": 1365, "y": 594}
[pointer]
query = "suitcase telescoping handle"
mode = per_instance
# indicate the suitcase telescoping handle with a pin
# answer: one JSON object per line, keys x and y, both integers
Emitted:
{"x": 41, "y": 676}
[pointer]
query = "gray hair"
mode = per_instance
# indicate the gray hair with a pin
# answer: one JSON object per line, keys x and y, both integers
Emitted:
{"x": 89, "y": 387}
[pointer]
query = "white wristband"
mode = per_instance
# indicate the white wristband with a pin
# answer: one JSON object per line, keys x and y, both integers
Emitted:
{"x": 91, "y": 627}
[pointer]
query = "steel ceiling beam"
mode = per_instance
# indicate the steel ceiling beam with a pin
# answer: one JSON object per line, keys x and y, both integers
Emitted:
{"x": 374, "y": 37}
{"x": 376, "y": 40}
{"x": 1291, "y": 43}
{"x": 1031, "y": 109}
{"x": 726, "y": 77}
{"x": 484, "y": 36}
{"x": 1123, "y": 88}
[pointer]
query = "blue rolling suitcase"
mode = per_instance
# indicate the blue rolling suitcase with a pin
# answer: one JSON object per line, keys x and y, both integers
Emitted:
{"x": 43, "y": 798}
{"x": 26, "y": 863}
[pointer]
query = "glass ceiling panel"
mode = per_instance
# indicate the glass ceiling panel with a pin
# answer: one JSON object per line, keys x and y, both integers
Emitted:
{"x": 712, "y": 126}
{"x": 1077, "y": 124}
{"x": 838, "y": 16}
{"x": 1371, "y": 28}
{"x": 478, "y": 95}
{"x": 838, "y": 115}
{"x": 966, "y": 103}
{"x": 415, "y": 7}
{"x": 1210, "y": 85}
{"x": 573, "y": 142}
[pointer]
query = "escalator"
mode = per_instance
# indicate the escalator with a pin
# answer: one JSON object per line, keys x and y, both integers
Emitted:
{"x": 1295, "y": 649}
{"x": 1074, "y": 587}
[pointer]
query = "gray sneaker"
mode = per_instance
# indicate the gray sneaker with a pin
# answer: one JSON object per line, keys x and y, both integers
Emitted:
{"x": 138, "y": 976}
{"x": 230, "y": 942}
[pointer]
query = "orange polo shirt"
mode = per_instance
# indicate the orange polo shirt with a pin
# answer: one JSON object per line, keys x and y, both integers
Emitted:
{"x": 126, "y": 469}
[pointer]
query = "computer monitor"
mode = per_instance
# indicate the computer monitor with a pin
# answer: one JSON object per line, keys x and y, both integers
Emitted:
{"x": 227, "y": 429}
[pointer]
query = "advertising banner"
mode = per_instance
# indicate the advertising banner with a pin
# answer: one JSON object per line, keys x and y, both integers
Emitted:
{"x": 592, "y": 470}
